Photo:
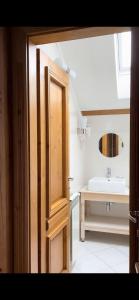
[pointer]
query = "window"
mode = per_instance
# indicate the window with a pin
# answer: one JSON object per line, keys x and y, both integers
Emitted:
{"x": 124, "y": 51}
{"x": 122, "y": 42}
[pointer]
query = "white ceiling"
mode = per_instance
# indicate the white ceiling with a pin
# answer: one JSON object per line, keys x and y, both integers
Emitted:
{"x": 93, "y": 60}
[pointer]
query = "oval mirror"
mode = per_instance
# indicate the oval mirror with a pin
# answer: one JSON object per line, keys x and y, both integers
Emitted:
{"x": 110, "y": 145}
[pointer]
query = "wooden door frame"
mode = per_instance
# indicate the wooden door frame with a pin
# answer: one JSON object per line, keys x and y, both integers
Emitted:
{"x": 28, "y": 40}
{"x": 6, "y": 167}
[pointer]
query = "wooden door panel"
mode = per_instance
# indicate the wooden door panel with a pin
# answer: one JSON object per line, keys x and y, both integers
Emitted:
{"x": 56, "y": 253}
{"x": 57, "y": 242}
{"x": 53, "y": 199}
{"x": 57, "y": 156}
{"x": 56, "y": 169}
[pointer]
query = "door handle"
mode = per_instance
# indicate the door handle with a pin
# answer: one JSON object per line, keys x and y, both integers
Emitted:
{"x": 70, "y": 178}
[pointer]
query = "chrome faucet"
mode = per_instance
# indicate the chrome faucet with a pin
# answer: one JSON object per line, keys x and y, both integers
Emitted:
{"x": 108, "y": 174}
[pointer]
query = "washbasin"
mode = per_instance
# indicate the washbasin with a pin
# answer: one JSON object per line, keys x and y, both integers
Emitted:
{"x": 104, "y": 184}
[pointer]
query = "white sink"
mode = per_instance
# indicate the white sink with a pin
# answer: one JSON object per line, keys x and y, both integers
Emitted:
{"x": 103, "y": 184}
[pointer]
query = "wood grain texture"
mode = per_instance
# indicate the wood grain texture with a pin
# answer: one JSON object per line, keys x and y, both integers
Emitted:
{"x": 57, "y": 149}
{"x": 58, "y": 168}
{"x": 57, "y": 239}
{"x": 56, "y": 253}
{"x": 56, "y": 172}
{"x": 34, "y": 163}
{"x": 43, "y": 130}
{"x": 20, "y": 151}
{"x": 106, "y": 112}
{"x": 76, "y": 33}
{"x": 6, "y": 196}
{"x": 103, "y": 197}
{"x": 52, "y": 113}
{"x": 24, "y": 243}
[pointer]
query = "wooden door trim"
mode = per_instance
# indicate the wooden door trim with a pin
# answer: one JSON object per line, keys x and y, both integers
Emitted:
{"x": 74, "y": 34}
{"x": 33, "y": 159}
{"x": 134, "y": 147}
{"x": 21, "y": 41}
{"x": 57, "y": 206}
{"x": 6, "y": 155}
{"x": 121, "y": 111}
{"x": 57, "y": 229}
{"x": 57, "y": 74}
{"x": 52, "y": 222}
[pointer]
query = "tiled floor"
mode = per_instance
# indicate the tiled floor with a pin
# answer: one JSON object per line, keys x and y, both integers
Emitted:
{"x": 102, "y": 253}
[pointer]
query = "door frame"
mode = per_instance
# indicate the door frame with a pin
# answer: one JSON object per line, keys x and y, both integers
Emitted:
{"x": 30, "y": 38}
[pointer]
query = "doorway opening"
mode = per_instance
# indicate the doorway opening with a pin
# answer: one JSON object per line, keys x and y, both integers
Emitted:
{"x": 99, "y": 143}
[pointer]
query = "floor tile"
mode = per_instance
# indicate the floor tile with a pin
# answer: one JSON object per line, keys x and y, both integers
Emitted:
{"x": 91, "y": 264}
{"x": 111, "y": 256}
{"x": 102, "y": 253}
{"x": 123, "y": 249}
{"x": 122, "y": 268}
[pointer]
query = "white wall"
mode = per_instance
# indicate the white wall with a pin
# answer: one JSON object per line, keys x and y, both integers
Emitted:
{"x": 51, "y": 50}
{"x": 97, "y": 163}
{"x": 77, "y": 147}
{"x": 76, "y": 151}
{"x": 93, "y": 59}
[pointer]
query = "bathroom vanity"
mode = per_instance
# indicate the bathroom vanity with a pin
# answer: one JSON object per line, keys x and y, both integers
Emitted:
{"x": 98, "y": 222}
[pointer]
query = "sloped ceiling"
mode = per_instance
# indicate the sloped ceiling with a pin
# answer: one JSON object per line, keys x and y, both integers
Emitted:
{"x": 93, "y": 60}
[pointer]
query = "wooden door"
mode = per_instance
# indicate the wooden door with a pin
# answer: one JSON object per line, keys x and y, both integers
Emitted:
{"x": 134, "y": 153}
{"x": 53, "y": 198}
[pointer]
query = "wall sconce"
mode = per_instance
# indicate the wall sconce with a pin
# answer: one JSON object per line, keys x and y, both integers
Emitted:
{"x": 84, "y": 131}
